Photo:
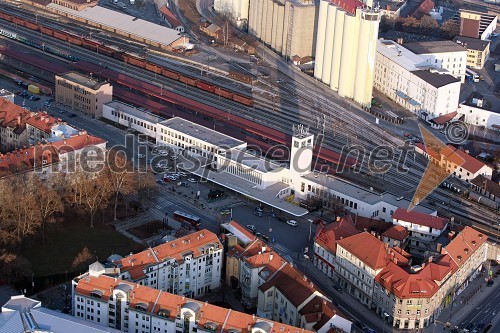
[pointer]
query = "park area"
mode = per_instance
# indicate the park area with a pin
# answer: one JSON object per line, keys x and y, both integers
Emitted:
{"x": 58, "y": 254}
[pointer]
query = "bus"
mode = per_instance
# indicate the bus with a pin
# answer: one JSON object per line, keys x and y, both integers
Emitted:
{"x": 195, "y": 221}
{"x": 473, "y": 75}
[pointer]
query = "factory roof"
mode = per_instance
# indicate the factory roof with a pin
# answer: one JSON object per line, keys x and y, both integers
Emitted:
{"x": 202, "y": 133}
{"x": 122, "y": 22}
{"x": 441, "y": 46}
{"x": 434, "y": 79}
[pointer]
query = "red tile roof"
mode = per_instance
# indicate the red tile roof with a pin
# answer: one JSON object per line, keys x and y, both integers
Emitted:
{"x": 13, "y": 116}
{"x": 396, "y": 232}
{"x": 461, "y": 248}
{"x": 367, "y": 248}
{"x": 427, "y": 220}
{"x": 348, "y": 5}
{"x": 292, "y": 284}
{"x": 328, "y": 235}
{"x": 454, "y": 155}
{"x": 174, "y": 22}
{"x": 25, "y": 160}
{"x": 443, "y": 119}
{"x": 43, "y": 122}
{"x": 194, "y": 244}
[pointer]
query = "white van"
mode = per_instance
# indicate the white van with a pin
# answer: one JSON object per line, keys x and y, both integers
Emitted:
{"x": 293, "y": 223}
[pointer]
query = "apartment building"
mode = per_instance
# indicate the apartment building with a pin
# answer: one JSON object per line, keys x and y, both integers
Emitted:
{"x": 456, "y": 161}
{"x": 278, "y": 290}
{"x": 346, "y": 48}
{"x": 39, "y": 127}
{"x": 422, "y": 230}
{"x": 130, "y": 307}
{"x": 289, "y": 297}
{"x": 358, "y": 260}
{"x": 189, "y": 266}
{"x": 413, "y": 297}
{"x": 25, "y": 315}
{"x": 414, "y": 82}
{"x": 83, "y": 93}
{"x": 325, "y": 243}
{"x": 444, "y": 54}
{"x": 478, "y": 50}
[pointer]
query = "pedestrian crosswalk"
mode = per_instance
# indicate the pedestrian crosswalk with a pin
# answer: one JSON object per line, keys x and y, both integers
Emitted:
{"x": 162, "y": 203}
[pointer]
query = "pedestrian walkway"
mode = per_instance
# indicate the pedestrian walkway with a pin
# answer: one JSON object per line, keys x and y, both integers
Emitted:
{"x": 464, "y": 304}
{"x": 282, "y": 250}
{"x": 161, "y": 202}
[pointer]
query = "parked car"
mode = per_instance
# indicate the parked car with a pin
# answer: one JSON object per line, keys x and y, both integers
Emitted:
{"x": 251, "y": 227}
{"x": 264, "y": 237}
{"x": 258, "y": 209}
{"x": 225, "y": 211}
{"x": 183, "y": 174}
{"x": 72, "y": 115}
{"x": 293, "y": 223}
{"x": 159, "y": 181}
{"x": 257, "y": 213}
{"x": 271, "y": 214}
{"x": 337, "y": 287}
{"x": 139, "y": 155}
{"x": 490, "y": 282}
{"x": 192, "y": 180}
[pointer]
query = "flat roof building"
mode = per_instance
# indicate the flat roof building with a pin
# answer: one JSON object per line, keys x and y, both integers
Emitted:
{"x": 444, "y": 54}
{"x": 83, "y": 93}
{"x": 125, "y": 25}
{"x": 478, "y": 50}
{"x": 415, "y": 81}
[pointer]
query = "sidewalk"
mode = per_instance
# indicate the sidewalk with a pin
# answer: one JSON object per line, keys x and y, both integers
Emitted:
{"x": 465, "y": 303}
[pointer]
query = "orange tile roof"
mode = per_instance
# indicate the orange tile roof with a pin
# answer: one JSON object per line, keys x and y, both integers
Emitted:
{"x": 471, "y": 164}
{"x": 328, "y": 235}
{"x": 160, "y": 303}
{"x": 77, "y": 142}
{"x": 443, "y": 119}
{"x": 43, "y": 122}
{"x": 174, "y": 22}
{"x": 427, "y": 220}
{"x": 406, "y": 285}
{"x": 461, "y": 248}
{"x": 243, "y": 230}
{"x": 319, "y": 311}
{"x": 367, "y": 248}
{"x": 396, "y": 232}
{"x": 193, "y": 244}
{"x": 25, "y": 160}
{"x": 454, "y": 155}
{"x": 13, "y": 116}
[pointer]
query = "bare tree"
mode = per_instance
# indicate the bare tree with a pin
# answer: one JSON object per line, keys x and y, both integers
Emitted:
{"x": 48, "y": 202}
{"x": 146, "y": 185}
{"x": 81, "y": 259}
{"x": 121, "y": 178}
{"x": 13, "y": 267}
{"x": 96, "y": 192}
{"x": 450, "y": 28}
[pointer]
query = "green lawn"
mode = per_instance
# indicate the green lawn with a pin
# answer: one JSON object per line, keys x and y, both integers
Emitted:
{"x": 65, "y": 241}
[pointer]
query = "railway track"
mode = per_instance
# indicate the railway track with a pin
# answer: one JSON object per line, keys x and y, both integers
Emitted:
{"x": 291, "y": 111}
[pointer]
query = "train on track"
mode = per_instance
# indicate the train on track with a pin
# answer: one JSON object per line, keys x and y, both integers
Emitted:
{"x": 118, "y": 54}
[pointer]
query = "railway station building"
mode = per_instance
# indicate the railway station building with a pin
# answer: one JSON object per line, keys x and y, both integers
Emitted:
{"x": 227, "y": 161}
{"x": 83, "y": 93}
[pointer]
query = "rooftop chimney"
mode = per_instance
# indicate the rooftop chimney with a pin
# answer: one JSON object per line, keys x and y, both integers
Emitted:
{"x": 439, "y": 247}
{"x": 338, "y": 218}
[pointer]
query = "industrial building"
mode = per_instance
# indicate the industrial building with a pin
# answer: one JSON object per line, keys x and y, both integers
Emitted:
{"x": 125, "y": 25}
{"x": 287, "y": 26}
{"x": 83, "y": 93}
{"x": 346, "y": 47}
{"x": 235, "y": 10}
{"x": 444, "y": 54}
{"x": 414, "y": 82}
